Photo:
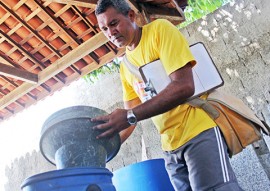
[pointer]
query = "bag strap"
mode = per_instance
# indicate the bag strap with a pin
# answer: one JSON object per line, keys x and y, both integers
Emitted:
{"x": 131, "y": 67}
{"x": 206, "y": 106}
{"x": 196, "y": 102}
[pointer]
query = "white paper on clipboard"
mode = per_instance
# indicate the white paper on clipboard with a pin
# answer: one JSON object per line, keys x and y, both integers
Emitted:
{"x": 205, "y": 74}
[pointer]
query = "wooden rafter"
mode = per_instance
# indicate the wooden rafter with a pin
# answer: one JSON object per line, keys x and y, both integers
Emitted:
{"x": 16, "y": 73}
{"x": 61, "y": 64}
{"x": 179, "y": 9}
{"x": 72, "y": 37}
{"x": 157, "y": 12}
{"x": 82, "y": 3}
{"x": 23, "y": 23}
{"x": 63, "y": 29}
{"x": 15, "y": 85}
{"x": 6, "y": 60}
{"x": 19, "y": 47}
{"x": 145, "y": 14}
{"x": 91, "y": 3}
{"x": 134, "y": 6}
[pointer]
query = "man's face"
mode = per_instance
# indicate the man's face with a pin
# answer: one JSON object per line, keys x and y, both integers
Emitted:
{"x": 118, "y": 28}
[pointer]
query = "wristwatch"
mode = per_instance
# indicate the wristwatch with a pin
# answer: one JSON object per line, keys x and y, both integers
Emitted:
{"x": 131, "y": 118}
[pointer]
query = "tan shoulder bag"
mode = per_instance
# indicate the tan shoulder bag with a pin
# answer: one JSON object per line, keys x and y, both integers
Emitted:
{"x": 239, "y": 125}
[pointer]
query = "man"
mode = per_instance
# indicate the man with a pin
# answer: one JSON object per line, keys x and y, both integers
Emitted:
{"x": 194, "y": 151}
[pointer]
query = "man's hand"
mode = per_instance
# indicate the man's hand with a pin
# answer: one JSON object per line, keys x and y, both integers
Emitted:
{"x": 113, "y": 123}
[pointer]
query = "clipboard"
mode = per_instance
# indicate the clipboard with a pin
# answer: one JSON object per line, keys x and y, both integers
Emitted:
{"x": 205, "y": 73}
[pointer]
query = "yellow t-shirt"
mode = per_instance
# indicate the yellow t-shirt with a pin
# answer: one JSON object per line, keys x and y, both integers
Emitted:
{"x": 162, "y": 40}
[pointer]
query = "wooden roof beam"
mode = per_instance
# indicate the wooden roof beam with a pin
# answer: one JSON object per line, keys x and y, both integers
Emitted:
{"x": 181, "y": 3}
{"x": 104, "y": 59}
{"x": 82, "y": 3}
{"x": 145, "y": 15}
{"x": 6, "y": 60}
{"x": 72, "y": 37}
{"x": 53, "y": 18}
{"x": 23, "y": 23}
{"x": 134, "y": 6}
{"x": 19, "y": 47}
{"x": 16, "y": 73}
{"x": 179, "y": 9}
{"x": 58, "y": 66}
{"x": 91, "y": 3}
{"x": 157, "y": 12}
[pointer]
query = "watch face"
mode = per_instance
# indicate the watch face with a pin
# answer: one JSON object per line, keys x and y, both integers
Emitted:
{"x": 132, "y": 120}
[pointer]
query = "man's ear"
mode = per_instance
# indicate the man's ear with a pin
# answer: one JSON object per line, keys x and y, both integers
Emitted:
{"x": 131, "y": 15}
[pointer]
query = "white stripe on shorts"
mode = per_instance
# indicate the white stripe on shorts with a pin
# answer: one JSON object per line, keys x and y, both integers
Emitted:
{"x": 222, "y": 155}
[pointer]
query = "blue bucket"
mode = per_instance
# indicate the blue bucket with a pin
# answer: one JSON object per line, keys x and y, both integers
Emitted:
{"x": 71, "y": 179}
{"x": 149, "y": 175}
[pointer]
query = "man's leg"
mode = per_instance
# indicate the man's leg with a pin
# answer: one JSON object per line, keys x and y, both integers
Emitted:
{"x": 177, "y": 171}
{"x": 208, "y": 163}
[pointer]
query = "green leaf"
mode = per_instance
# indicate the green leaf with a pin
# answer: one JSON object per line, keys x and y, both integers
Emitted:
{"x": 196, "y": 9}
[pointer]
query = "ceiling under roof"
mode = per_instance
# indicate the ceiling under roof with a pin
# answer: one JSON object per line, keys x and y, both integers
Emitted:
{"x": 47, "y": 44}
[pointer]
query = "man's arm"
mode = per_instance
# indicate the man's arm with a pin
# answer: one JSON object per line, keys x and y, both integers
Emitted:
{"x": 124, "y": 134}
{"x": 176, "y": 93}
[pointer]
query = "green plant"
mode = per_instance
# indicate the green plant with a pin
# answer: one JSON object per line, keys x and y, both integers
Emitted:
{"x": 196, "y": 9}
{"x": 107, "y": 68}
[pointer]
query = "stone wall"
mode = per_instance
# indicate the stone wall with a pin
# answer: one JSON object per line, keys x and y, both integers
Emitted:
{"x": 237, "y": 37}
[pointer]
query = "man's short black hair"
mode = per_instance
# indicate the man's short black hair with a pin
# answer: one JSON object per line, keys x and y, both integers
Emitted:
{"x": 120, "y": 5}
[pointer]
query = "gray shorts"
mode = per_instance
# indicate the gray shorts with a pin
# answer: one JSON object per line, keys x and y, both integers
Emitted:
{"x": 202, "y": 164}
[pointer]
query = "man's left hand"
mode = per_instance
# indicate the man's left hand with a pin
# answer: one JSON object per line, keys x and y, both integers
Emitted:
{"x": 113, "y": 123}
